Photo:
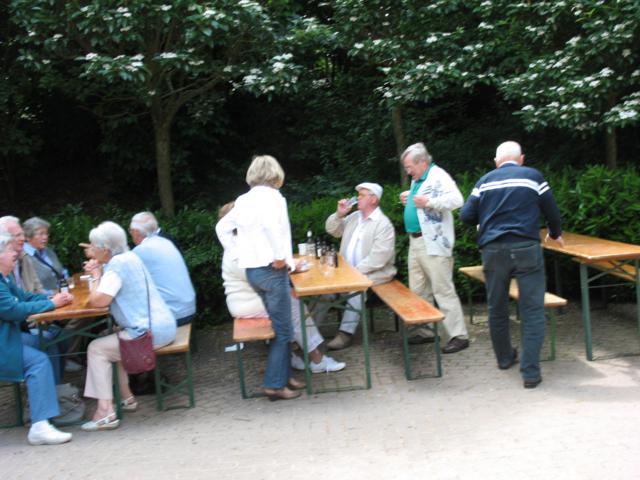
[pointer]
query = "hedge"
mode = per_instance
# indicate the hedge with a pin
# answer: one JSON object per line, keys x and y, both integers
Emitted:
{"x": 594, "y": 201}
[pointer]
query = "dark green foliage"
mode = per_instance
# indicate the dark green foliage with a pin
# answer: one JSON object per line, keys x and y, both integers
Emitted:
{"x": 593, "y": 201}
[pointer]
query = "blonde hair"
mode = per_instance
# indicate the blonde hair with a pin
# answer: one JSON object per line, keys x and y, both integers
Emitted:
{"x": 265, "y": 170}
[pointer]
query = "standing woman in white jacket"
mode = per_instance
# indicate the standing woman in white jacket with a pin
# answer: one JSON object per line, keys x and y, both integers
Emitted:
{"x": 263, "y": 244}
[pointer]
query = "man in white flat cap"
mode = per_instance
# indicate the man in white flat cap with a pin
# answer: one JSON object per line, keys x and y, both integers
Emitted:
{"x": 368, "y": 244}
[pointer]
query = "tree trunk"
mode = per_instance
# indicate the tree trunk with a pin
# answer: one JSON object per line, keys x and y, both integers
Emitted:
{"x": 612, "y": 147}
{"x": 401, "y": 144}
{"x": 162, "y": 132}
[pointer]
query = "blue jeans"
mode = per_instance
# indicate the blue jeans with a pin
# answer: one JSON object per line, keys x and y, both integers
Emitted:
{"x": 273, "y": 287}
{"x": 38, "y": 375}
{"x": 57, "y": 362}
{"x": 524, "y": 262}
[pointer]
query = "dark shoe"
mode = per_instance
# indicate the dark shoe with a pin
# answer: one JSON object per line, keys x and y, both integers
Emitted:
{"x": 532, "y": 383}
{"x": 340, "y": 341}
{"x": 294, "y": 384}
{"x": 419, "y": 340}
{"x": 281, "y": 394}
{"x": 514, "y": 360}
{"x": 455, "y": 345}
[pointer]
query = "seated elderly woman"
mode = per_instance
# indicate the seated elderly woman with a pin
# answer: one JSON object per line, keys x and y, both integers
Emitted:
{"x": 46, "y": 263}
{"x": 120, "y": 281}
{"x": 22, "y": 362}
{"x": 244, "y": 302}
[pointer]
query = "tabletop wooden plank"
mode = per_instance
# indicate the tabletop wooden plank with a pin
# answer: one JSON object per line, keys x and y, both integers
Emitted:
{"x": 591, "y": 249}
{"x": 77, "y": 309}
{"x": 322, "y": 280}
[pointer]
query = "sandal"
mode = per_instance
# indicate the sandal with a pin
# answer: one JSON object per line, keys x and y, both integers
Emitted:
{"x": 107, "y": 423}
{"x": 129, "y": 404}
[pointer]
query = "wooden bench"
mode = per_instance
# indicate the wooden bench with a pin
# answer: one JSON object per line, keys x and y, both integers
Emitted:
{"x": 181, "y": 345}
{"x": 413, "y": 310}
{"x": 551, "y": 302}
{"x": 17, "y": 402}
{"x": 249, "y": 330}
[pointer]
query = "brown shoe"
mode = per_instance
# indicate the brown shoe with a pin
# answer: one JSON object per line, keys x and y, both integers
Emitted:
{"x": 455, "y": 345}
{"x": 281, "y": 394}
{"x": 294, "y": 384}
{"x": 340, "y": 341}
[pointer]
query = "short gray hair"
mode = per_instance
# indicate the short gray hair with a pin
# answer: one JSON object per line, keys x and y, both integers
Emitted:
{"x": 145, "y": 223}
{"x": 111, "y": 236}
{"x": 265, "y": 170}
{"x": 416, "y": 152}
{"x": 5, "y": 221}
{"x": 6, "y": 241}
{"x": 33, "y": 224}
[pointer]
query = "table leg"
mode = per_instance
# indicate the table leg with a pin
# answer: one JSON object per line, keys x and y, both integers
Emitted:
{"x": 586, "y": 312}
{"x": 305, "y": 353}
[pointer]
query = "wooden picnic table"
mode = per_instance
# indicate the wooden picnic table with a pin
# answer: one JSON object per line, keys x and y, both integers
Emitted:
{"x": 605, "y": 257}
{"x": 77, "y": 309}
{"x": 320, "y": 280}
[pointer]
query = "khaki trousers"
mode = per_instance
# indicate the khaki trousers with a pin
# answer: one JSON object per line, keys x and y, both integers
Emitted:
{"x": 431, "y": 277}
{"x": 100, "y": 355}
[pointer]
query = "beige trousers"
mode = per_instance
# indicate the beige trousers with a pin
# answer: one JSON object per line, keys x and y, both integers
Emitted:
{"x": 100, "y": 355}
{"x": 431, "y": 276}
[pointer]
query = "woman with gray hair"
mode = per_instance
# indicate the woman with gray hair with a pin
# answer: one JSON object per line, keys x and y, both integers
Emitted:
{"x": 263, "y": 248}
{"x": 45, "y": 261}
{"x": 19, "y": 362}
{"x": 120, "y": 281}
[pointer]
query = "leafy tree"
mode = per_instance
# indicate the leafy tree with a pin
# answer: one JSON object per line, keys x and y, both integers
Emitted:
{"x": 153, "y": 58}
{"x": 19, "y": 111}
{"x": 576, "y": 65}
{"x": 422, "y": 50}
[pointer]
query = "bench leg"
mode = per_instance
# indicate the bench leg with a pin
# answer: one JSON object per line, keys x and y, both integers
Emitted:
{"x": 470, "y": 300}
{"x": 158, "y": 379}
{"x": 243, "y": 388}
{"x": 117, "y": 396}
{"x": 17, "y": 395}
{"x": 408, "y": 373}
{"x": 436, "y": 344}
{"x": 189, "y": 366}
{"x": 405, "y": 351}
{"x": 552, "y": 334}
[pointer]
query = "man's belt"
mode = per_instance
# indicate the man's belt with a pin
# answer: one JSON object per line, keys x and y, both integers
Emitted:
{"x": 415, "y": 234}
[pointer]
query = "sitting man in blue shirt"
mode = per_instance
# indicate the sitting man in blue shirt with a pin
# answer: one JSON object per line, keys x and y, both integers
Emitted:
{"x": 166, "y": 266}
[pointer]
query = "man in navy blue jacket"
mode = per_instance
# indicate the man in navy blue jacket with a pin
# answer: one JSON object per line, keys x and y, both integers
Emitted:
{"x": 506, "y": 204}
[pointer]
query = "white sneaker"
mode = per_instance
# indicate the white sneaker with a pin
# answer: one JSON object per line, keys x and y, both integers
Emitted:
{"x": 297, "y": 362}
{"x": 71, "y": 366}
{"x": 47, "y": 434}
{"x": 327, "y": 364}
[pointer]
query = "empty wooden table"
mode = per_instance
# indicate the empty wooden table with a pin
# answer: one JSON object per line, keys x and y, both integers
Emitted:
{"x": 605, "y": 257}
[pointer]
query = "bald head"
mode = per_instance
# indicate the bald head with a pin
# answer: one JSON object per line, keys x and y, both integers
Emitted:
{"x": 509, "y": 152}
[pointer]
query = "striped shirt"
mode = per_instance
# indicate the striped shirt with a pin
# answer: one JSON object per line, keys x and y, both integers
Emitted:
{"x": 507, "y": 203}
